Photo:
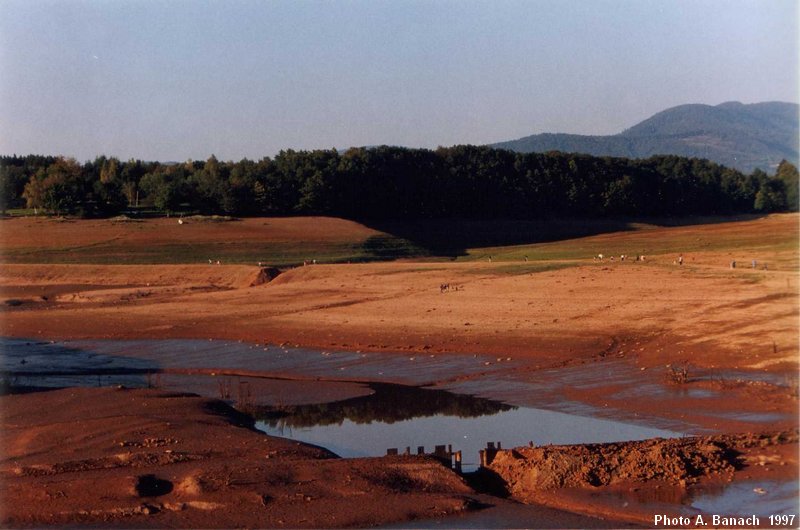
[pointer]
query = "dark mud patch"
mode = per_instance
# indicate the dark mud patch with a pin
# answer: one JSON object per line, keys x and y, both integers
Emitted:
{"x": 151, "y": 486}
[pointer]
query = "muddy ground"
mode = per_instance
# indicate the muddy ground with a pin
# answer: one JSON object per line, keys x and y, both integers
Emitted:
{"x": 152, "y": 459}
{"x": 655, "y": 315}
{"x": 562, "y": 475}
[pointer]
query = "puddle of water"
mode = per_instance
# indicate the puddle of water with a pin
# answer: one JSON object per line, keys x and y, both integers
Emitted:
{"x": 127, "y": 362}
{"x": 654, "y": 390}
{"x": 386, "y": 415}
{"x": 59, "y": 365}
{"x": 392, "y": 416}
{"x": 131, "y": 362}
{"x": 736, "y": 499}
{"x": 743, "y": 375}
{"x": 21, "y": 356}
{"x": 137, "y": 363}
{"x": 761, "y": 498}
{"x": 411, "y": 369}
{"x": 547, "y": 389}
{"x": 753, "y": 417}
{"x": 509, "y": 514}
{"x": 364, "y": 427}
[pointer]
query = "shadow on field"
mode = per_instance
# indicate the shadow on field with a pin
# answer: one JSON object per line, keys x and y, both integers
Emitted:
{"x": 453, "y": 237}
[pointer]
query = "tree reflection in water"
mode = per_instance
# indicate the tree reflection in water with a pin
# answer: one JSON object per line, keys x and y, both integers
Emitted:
{"x": 389, "y": 403}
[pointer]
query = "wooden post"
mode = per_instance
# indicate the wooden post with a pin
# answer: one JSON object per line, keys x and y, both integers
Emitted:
{"x": 458, "y": 462}
{"x": 391, "y": 452}
{"x": 421, "y": 450}
{"x": 489, "y": 454}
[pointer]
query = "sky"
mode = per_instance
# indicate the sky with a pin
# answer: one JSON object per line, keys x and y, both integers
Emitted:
{"x": 173, "y": 80}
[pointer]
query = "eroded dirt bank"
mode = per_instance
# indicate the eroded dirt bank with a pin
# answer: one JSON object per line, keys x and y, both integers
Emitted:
{"x": 592, "y": 477}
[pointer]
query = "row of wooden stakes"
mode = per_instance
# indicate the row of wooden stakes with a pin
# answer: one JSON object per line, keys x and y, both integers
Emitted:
{"x": 450, "y": 458}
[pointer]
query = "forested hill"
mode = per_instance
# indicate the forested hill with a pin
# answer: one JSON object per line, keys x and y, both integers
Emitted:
{"x": 733, "y": 134}
{"x": 397, "y": 183}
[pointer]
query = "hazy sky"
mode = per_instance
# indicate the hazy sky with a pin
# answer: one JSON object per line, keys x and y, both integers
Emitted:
{"x": 172, "y": 80}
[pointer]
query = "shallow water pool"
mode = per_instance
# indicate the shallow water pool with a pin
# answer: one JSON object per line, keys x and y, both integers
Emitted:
{"x": 361, "y": 415}
{"x": 760, "y": 498}
{"x": 512, "y": 428}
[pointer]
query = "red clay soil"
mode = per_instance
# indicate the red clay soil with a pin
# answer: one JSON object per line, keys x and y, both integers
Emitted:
{"x": 140, "y": 458}
{"x": 150, "y": 459}
{"x": 653, "y": 315}
{"x": 679, "y": 466}
{"x": 132, "y": 236}
{"x": 702, "y": 311}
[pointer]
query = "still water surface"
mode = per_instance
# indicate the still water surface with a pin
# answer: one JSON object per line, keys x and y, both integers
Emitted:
{"x": 382, "y": 415}
{"x": 513, "y": 427}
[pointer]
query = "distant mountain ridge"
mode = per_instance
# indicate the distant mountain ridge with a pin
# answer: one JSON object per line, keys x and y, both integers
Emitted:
{"x": 737, "y": 135}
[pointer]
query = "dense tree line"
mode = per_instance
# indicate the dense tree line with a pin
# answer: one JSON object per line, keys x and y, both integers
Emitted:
{"x": 398, "y": 183}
